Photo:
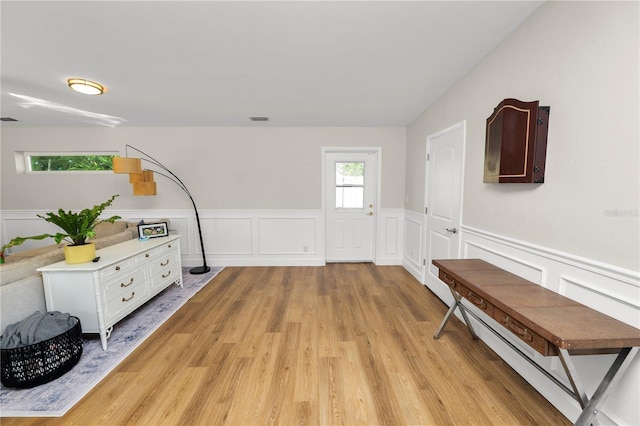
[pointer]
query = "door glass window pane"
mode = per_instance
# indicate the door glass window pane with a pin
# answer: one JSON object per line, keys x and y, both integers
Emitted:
{"x": 349, "y": 185}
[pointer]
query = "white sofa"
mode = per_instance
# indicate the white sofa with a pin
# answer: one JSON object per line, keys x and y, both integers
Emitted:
{"x": 21, "y": 287}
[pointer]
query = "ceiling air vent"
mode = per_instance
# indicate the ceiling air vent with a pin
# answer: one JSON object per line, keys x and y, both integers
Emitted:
{"x": 259, "y": 118}
{"x": 7, "y": 119}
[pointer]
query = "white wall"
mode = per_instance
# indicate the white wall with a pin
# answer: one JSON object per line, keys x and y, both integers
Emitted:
{"x": 578, "y": 233}
{"x": 223, "y": 167}
{"x": 258, "y": 190}
{"x": 581, "y": 59}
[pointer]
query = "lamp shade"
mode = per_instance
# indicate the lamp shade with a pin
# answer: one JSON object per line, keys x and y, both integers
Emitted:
{"x": 144, "y": 188}
{"x": 144, "y": 176}
{"x": 136, "y": 177}
{"x": 126, "y": 165}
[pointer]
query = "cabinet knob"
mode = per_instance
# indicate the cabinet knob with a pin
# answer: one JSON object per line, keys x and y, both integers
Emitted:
{"x": 117, "y": 268}
{"x": 146, "y": 255}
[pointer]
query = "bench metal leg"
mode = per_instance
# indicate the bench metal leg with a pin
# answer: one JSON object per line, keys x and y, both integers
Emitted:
{"x": 579, "y": 392}
{"x": 616, "y": 371}
{"x": 456, "y": 304}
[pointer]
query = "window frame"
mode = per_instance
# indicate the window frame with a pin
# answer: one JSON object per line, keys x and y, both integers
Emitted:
{"x": 26, "y": 161}
{"x": 349, "y": 185}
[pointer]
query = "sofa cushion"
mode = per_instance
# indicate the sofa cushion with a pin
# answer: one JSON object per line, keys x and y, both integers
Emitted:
{"x": 20, "y": 299}
{"x": 26, "y": 254}
{"x": 15, "y": 271}
{"x": 110, "y": 240}
{"x": 105, "y": 229}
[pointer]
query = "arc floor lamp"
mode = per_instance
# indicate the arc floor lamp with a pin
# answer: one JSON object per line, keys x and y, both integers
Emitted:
{"x": 143, "y": 184}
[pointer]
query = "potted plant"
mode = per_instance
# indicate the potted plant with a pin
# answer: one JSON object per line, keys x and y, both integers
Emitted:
{"x": 77, "y": 227}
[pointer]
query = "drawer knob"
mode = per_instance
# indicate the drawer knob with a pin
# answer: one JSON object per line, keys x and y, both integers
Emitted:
{"x": 131, "y": 297}
{"x": 165, "y": 276}
{"x": 146, "y": 255}
{"x": 169, "y": 246}
{"x": 123, "y": 285}
{"x": 117, "y": 268}
{"x": 164, "y": 263}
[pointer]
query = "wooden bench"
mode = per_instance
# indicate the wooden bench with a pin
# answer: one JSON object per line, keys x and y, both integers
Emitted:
{"x": 548, "y": 322}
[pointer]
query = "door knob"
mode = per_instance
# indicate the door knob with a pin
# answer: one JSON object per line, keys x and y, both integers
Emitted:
{"x": 370, "y": 214}
{"x": 452, "y": 230}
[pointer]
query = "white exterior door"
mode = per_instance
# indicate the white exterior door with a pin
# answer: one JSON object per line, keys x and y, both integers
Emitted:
{"x": 443, "y": 210}
{"x": 350, "y": 206}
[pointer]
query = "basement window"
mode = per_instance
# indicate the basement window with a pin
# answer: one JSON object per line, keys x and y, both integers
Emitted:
{"x": 55, "y": 162}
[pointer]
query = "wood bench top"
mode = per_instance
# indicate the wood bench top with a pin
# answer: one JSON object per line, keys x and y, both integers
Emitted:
{"x": 564, "y": 322}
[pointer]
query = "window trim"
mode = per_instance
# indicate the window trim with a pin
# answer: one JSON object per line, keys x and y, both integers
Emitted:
{"x": 350, "y": 185}
{"x": 23, "y": 161}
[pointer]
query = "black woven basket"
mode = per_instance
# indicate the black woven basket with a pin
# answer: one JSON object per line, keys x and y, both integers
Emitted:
{"x": 42, "y": 362}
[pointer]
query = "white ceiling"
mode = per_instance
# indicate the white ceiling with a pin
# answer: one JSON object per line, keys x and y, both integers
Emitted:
{"x": 213, "y": 63}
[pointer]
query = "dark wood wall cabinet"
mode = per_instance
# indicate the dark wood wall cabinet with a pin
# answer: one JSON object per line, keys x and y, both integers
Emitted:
{"x": 516, "y": 142}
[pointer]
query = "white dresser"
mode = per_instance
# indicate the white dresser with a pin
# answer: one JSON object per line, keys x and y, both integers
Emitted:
{"x": 125, "y": 277}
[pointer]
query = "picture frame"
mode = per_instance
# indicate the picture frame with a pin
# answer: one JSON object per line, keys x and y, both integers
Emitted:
{"x": 153, "y": 230}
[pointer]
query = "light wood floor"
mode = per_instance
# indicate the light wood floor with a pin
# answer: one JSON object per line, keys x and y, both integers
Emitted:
{"x": 347, "y": 344}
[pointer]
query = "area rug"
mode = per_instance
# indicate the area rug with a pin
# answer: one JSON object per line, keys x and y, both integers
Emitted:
{"x": 55, "y": 398}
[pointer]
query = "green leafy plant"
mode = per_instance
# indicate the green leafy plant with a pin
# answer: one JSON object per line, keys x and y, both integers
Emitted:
{"x": 77, "y": 226}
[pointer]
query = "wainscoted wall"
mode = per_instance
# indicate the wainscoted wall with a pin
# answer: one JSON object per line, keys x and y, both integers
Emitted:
{"x": 413, "y": 240}
{"x": 611, "y": 290}
{"x": 296, "y": 237}
{"x": 236, "y": 238}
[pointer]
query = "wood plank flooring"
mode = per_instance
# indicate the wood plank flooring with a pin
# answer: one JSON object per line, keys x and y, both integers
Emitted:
{"x": 344, "y": 344}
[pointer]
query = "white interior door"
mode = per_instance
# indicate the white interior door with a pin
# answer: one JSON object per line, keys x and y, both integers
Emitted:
{"x": 350, "y": 206}
{"x": 445, "y": 165}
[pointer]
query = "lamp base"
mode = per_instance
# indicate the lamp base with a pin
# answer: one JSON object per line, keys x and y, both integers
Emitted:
{"x": 199, "y": 270}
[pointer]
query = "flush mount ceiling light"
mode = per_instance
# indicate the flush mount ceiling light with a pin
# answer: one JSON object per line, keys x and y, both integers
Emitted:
{"x": 86, "y": 87}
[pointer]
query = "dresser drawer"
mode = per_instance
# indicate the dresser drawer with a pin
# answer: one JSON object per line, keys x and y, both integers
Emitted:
{"x": 164, "y": 261}
{"x": 121, "y": 267}
{"x": 123, "y": 304}
{"x": 166, "y": 247}
{"x": 477, "y": 301}
{"x": 144, "y": 257}
{"x": 124, "y": 284}
{"x": 531, "y": 338}
{"x": 165, "y": 270}
{"x": 451, "y": 282}
{"x": 158, "y": 251}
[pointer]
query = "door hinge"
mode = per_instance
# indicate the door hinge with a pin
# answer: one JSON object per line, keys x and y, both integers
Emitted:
{"x": 424, "y": 262}
{"x": 426, "y": 210}
{"x": 428, "y": 156}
